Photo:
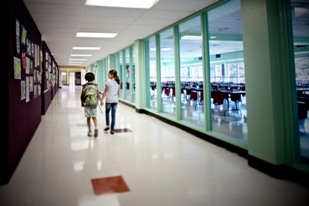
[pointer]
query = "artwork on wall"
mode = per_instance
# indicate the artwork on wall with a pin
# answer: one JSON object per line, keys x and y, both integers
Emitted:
{"x": 17, "y": 36}
{"x": 35, "y": 90}
{"x": 22, "y": 90}
{"x": 24, "y": 60}
{"x": 17, "y": 68}
{"x": 29, "y": 49}
{"x": 23, "y": 35}
{"x": 27, "y": 89}
{"x": 27, "y": 63}
{"x": 39, "y": 89}
{"x": 35, "y": 79}
{"x": 31, "y": 83}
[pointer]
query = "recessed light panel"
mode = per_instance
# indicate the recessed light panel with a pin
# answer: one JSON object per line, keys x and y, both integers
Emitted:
{"x": 139, "y": 4}
{"x": 81, "y": 55}
{"x": 86, "y": 48}
{"x": 96, "y": 35}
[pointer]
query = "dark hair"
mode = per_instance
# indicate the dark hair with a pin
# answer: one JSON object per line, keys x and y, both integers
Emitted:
{"x": 114, "y": 74}
{"x": 89, "y": 76}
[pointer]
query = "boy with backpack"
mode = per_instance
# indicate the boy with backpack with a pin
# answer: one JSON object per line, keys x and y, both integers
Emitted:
{"x": 89, "y": 98}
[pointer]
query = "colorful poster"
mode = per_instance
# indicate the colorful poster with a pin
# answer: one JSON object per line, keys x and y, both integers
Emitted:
{"x": 27, "y": 89}
{"x": 28, "y": 65}
{"x": 35, "y": 79}
{"x": 35, "y": 90}
{"x": 31, "y": 67}
{"x": 17, "y": 68}
{"x": 28, "y": 45}
{"x": 22, "y": 90}
{"x": 39, "y": 89}
{"x": 17, "y": 36}
{"x": 23, "y": 60}
{"x": 23, "y": 35}
{"x": 39, "y": 76}
{"x": 31, "y": 84}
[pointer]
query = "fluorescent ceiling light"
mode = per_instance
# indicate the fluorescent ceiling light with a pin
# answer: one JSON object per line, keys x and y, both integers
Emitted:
{"x": 76, "y": 62}
{"x": 77, "y": 59}
{"x": 86, "y": 48}
{"x": 96, "y": 35}
{"x": 189, "y": 37}
{"x": 81, "y": 55}
{"x": 140, "y": 4}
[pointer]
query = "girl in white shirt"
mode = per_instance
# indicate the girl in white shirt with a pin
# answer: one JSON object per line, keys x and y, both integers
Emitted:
{"x": 111, "y": 92}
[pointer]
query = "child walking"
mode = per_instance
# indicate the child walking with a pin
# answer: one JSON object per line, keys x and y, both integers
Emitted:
{"x": 111, "y": 92}
{"x": 89, "y": 98}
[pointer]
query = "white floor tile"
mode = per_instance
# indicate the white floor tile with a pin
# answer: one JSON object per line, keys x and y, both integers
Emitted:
{"x": 161, "y": 164}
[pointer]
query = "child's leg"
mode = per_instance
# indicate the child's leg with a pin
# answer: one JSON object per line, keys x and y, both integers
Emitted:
{"x": 107, "y": 110}
{"x": 95, "y": 122}
{"x": 89, "y": 123}
{"x": 95, "y": 126}
{"x": 89, "y": 126}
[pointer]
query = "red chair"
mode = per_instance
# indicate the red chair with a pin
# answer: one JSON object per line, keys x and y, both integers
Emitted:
{"x": 198, "y": 99}
{"x": 218, "y": 98}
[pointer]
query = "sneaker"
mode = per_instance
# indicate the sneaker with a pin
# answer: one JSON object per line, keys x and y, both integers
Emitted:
{"x": 89, "y": 134}
{"x": 96, "y": 132}
{"x": 112, "y": 131}
{"x": 106, "y": 129}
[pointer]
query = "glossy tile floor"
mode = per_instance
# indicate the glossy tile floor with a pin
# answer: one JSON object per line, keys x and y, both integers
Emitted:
{"x": 146, "y": 163}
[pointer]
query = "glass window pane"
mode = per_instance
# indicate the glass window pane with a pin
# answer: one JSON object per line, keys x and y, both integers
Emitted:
{"x": 167, "y": 72}
{"x": 133, "y": 76}
{"x": 300, "y": 16}
{"x": 152, "y": 72}
{"x": 227, "y": 71}
{"x": 127, "y": 75}
{"x": 191, "y": 71}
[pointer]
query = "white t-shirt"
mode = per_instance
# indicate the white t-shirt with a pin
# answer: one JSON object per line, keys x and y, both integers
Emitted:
{"x": 112, "y": 93}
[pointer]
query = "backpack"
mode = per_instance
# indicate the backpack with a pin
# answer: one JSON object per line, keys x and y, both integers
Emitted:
{"x": 90, "y": 95}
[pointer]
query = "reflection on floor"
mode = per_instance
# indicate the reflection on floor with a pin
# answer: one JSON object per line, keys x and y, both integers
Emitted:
{"x": 155, "y": 164}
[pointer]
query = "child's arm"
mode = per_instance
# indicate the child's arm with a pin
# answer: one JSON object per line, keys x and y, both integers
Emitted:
{"x": 104, "y": 94}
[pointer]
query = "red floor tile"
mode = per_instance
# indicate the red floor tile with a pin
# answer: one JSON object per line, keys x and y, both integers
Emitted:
{"x": 109, "y": 185}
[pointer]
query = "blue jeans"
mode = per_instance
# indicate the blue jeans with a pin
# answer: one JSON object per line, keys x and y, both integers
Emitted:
{"x": 108, "y": 107}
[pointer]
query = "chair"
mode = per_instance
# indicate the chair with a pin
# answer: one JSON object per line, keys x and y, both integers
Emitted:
{"x": 236, "y": 98}
{"x": 218, "y": 99}
{"x": 196, "y": 98}
{"x": 173, "y": 93}
{"x": 166, "y": 92}
{"x": 302, "y": 110}
{"x": 200, "y": 100}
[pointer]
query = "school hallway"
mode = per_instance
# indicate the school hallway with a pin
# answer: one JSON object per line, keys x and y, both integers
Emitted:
{"x": 146, "y": 163}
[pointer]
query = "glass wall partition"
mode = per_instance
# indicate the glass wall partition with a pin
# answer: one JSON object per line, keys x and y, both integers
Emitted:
{"x": 168, "y": 72}
{"x": 152, "y": 72}
{"x": 132, "y": 75}
{"x": 228, "y": 96}
{"x": 120, "y": 60}
{"x": 300, "y": 16}
{"x": 191, "y": 71}
{"x": 127, "y": 75}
